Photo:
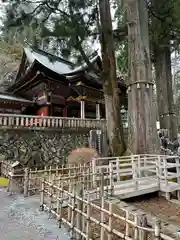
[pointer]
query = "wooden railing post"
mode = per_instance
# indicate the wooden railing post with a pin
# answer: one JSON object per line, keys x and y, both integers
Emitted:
{"x": 26, "y": 181}
{"x": 111, "y": 183}
{"x": 178, "y": 175}
{"x": 166, "y": 176}
{"x": 134, "y": 170}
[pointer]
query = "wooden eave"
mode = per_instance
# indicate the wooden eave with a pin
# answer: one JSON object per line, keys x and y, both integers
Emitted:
{"x": 26, "y": 84}
{"x": 21, "y": 67}
{"x": 33, "y": 82}
{"x": 26, "y": 77}
{"x": 17, "y": 103}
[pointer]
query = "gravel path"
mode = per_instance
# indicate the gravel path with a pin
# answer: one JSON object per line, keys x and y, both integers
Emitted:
{"x": 21, "y": 219}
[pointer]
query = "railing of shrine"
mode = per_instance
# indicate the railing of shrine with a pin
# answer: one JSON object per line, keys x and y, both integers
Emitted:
{"x": 27, "y": 121}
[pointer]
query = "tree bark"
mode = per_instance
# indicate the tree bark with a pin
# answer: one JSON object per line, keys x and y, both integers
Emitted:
{"x": 165, "y": 102}
{"x": 111, "y": 90}
{"x": 142, "y": 137}
{"x": 161, "y": 37}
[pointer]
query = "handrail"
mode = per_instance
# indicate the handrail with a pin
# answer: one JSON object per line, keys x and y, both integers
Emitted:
{"x": 13, "y": 120}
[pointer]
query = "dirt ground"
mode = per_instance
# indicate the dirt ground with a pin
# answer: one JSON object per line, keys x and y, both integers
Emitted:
{"x": 160, "y": 207}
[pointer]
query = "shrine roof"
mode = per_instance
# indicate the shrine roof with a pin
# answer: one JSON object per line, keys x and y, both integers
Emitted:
{"x": 4, "y": 96}
{"x": 56, "y": 64}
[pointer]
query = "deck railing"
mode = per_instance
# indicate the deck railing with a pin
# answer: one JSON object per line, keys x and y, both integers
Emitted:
{"x": 28, "y": 121}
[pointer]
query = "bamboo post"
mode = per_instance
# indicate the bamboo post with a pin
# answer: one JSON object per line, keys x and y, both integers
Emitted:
{"x": 49, "y": 174}
{"x": 30, "y": 183}
{"x": 83, "y": 217}
{"x": 78, "y": 215}
{"x": 61, "y": 204}
{"x": 84, "y": 186}
{"x": 143, "y": 234}
{"x": 58, "y": 199}
{"x": 73, "y": 214}
{"x": 35, "y": 184}
{"x": 45, "y": 172}
{"x": 136, "y": 227}
{"x": 50, "y": 197}
{"x": 110, "y": 222}
{"x": 42, "y": 195}
{"x": 157, "y": 230}
{"x": 26, "y": 181}
{"x": 127, "y": 224}
{"x": 88, "y": 219}
{"x": 57, "y": 170}
{"x": 70, "y": 200}
{"x": 94, "y": 172}
{"x": 89, "y": 179}
{"x": 102, "y": 220}
{"x": 9, "y": 183}
{"x": 102, "y": 184}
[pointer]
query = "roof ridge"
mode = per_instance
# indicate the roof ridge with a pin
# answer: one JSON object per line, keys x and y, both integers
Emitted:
{"x": 52, "y": 55}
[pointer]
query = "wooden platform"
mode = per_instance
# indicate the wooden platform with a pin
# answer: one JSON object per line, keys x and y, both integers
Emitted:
{"x": 146, "y": 173}
{"x": 128, "y": 189}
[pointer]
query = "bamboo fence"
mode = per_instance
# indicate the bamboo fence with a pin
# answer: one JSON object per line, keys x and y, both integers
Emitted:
{"x": 87, "y": 219}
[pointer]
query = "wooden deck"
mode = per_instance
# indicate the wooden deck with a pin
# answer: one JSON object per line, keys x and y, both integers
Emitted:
{"x": 128, "y": 189}
{"x": 136, "y": 175}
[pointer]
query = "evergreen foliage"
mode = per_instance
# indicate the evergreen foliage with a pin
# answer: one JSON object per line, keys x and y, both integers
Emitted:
{"x": 64, "y": 26}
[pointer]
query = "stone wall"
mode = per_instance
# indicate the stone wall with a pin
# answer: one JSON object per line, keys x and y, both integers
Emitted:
{"x": 40, "y": 147}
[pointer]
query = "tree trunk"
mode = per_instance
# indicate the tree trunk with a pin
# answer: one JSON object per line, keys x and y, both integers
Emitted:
{"x": 165, "y": 102}
{"x": 111, "y": 90}
{"x": 142, "y": 136}
{"x": 162, "y": 63}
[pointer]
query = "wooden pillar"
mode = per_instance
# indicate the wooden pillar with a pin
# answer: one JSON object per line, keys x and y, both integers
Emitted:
{"x": 98, "y": 112}
{"x": 82, "y": 109}
{"x": 65, "y": 111}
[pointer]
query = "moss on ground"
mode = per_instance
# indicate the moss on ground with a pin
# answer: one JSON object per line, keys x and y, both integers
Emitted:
{"x": 3, "y": 182}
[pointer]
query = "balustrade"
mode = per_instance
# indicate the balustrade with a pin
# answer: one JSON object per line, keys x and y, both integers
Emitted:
{"x": 27, "y": 121}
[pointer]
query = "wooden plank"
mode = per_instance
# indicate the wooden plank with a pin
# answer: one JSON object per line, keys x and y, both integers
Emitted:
{"x": 134, "y": 193}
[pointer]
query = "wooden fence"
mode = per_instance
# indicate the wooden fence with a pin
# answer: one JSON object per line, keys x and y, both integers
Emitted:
{"x": 87, "y": 219}
{"x": 28, "y": 180}
{"x": 76, "y": 195}
{"x": 124, "y": 176}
